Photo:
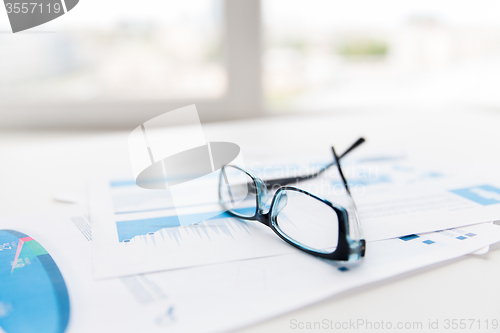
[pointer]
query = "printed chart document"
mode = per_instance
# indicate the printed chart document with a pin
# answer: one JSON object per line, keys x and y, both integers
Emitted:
{"x": 139, "y": 230}
{"x": 212, "y": 298}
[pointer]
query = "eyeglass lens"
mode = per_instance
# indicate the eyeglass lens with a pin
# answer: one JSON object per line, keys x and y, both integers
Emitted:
{"x": 306, "y": 221}
{"x": 237, "y": 192}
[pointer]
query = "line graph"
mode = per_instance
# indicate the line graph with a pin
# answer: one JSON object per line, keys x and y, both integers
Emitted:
{"x": 170, "y": 227}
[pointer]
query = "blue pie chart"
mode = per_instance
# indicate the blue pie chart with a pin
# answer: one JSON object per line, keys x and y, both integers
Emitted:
{"x": 33, "y": 294}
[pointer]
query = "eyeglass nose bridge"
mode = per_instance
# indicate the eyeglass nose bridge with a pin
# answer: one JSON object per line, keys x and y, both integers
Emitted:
{"x": 262, "y": 196}
{"x": 282, "y": 201}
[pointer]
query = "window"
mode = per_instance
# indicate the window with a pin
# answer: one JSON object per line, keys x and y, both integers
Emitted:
{"x": 119, "y": 50}
{"x": 119, "y": 63}
{"x": 329, "y": 54}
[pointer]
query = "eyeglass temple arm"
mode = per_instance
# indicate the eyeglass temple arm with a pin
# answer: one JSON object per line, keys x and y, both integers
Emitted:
{"x": 285, "y": 181}
{"x": 356, "y": 234}
{"x": 337, "y": 161}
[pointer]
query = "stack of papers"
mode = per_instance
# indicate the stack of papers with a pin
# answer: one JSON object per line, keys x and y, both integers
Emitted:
{"x": 127, "y": 264}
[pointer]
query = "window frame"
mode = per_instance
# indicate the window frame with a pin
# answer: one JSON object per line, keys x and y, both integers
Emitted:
{"x": 243, "y": 98}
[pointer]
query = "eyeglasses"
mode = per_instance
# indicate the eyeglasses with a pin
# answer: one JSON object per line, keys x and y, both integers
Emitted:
{"x": 302, "y": 219}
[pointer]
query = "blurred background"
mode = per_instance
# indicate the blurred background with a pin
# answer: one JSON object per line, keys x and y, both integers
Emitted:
{"x": 114, "y": 64}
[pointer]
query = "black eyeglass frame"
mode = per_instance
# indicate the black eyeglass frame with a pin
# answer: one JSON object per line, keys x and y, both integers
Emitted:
{"x": 347, "y": 248}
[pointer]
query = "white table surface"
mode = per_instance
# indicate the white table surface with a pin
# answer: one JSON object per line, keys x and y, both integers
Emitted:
{"x": 35, "y": 165}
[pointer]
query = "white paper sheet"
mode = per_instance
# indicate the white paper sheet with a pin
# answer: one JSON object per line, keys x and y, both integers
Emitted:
{"x": 227, "y": 296}
{"x": 396, "y": 195}
{"x": 153, "y": 240}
